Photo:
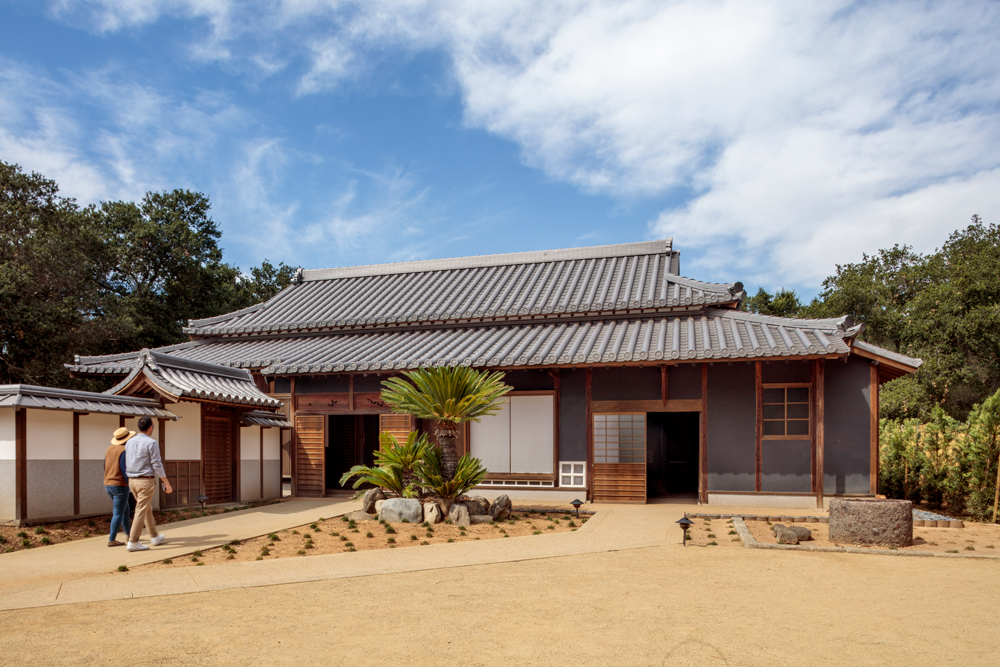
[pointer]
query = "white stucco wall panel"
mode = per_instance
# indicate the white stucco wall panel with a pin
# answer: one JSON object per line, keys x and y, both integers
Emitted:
{"x": 96, "y": 431}
{"x": 250, "y": 444}
{"x": 272, "y": 444}
{"x": 8, "y": 451}
{"x": 183, "y": 437}
{"x": 49, "y": 435}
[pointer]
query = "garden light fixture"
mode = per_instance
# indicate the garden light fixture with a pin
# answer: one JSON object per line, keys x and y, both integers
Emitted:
{"x": 202, "y": 499}
{"x": 576, "y": 505}
{"x": 685, "y": 523}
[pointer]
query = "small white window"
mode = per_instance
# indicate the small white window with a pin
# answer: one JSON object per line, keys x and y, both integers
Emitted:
{"x": 572, "y": 473}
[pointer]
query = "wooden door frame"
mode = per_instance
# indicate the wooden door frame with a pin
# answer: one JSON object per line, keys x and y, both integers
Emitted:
{"x": 212, "y": 412}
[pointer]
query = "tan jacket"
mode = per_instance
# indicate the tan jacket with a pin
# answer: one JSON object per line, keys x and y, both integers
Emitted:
{"x": 113, "y": 475}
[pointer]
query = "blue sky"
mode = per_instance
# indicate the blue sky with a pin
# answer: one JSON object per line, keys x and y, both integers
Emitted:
{"x": 772, "y": 140}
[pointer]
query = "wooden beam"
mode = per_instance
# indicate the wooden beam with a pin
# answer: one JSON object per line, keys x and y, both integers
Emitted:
{"x": 21, "y": 464}
{"x": 76, "y": 463}
{"x": 873, "y": 442}
{"x": 292, "y": 453}
{"x": 676, "y": 405}
{"x": 162, "y": 433}
{"x": 350, "y": 393}
{"x": 261, "y": 476}
{"x": 820, "y": 430}
{"x": 759, "y": 427}
{"x": 703, "y": 437}
{"x": 590, "y": 437}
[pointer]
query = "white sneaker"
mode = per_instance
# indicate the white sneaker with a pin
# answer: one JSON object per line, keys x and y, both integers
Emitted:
{"x": 157, "y": 541}
{"x": 136, "y": 546}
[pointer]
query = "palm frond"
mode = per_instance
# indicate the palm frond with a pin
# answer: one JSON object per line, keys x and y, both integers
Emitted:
{"x": 455, "y": 394}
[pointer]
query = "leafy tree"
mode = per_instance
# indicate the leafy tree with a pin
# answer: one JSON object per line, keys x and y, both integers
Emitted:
{"x": 49, "y": 267}
{"x": 783, "y": 303}
{"x": 449, "y": 395}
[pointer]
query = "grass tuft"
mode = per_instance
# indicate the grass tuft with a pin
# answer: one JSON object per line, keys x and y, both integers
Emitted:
{"x": 424, "y": 542}
{"x": 123, "y": 568}
{"x": 168, "y": 561}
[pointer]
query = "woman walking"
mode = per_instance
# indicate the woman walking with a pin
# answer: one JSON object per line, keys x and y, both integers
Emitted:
{"x": 116, "y": 484}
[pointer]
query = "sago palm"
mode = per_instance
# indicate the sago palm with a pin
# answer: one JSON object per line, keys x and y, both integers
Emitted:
{"x": 450, "y": 395}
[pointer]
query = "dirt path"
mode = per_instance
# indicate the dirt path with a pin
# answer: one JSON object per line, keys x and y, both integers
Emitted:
{"x": 652, "y": 606}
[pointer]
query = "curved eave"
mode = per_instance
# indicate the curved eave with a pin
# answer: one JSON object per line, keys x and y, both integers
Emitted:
{"x": 891, "y": 365}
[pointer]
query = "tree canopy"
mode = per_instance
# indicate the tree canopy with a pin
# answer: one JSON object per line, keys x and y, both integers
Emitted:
{"x": 110, "y": 278}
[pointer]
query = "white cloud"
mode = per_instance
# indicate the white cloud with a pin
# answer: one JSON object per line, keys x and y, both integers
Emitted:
{"x": 805, "y": 133}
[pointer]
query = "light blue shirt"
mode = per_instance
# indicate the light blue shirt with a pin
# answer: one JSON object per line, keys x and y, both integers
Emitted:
{"x": 142, "y": 457}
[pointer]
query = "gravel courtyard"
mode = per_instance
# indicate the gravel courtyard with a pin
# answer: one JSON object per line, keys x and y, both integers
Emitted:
{"x": 664, "y": 605}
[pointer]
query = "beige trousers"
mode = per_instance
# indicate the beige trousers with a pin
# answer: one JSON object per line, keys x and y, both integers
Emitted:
{"x": 143, "y": 490}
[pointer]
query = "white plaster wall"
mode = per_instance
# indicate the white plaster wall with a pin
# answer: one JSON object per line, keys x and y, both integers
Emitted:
{"x": 272, "y": 444}
{"x": 183, "y": 441}
{"x": 250, "y": 443}
{"x": 96, "y": 431}
{"x": 49, "y": 435}
{"x": 8, "y": 450}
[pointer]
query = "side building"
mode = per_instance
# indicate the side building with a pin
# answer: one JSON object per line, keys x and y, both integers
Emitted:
{"x": 630, "y": 380}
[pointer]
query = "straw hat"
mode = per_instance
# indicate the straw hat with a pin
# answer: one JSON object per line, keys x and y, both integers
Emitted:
{"x": 121, "y": 436}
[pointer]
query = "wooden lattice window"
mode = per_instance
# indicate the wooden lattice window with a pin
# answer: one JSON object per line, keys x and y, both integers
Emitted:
{"x": 620, "y": 438}
{"x": 787, "y": 412}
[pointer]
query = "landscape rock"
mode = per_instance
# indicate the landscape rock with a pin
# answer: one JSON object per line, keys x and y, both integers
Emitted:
{"x": 477, "y": 505}
{"x": 432, "y": 513}
{"x": 378, "y": 506}
{"x": 801, "y": 532}
{"x": 480, "y": 518}
{"x": 370, "y": 498}
{"x": 884, "y": 523}
{"x": 361, "y": 516}
{"x": 396, "y": 510}
{"x": 776, "y": 527}
{"x": 500, "y": 509}
{"x": 786, "y": 536}
{"x": 459, "y": 515}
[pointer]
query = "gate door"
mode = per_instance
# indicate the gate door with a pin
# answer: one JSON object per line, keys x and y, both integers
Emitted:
{"x": 217, "y": 455}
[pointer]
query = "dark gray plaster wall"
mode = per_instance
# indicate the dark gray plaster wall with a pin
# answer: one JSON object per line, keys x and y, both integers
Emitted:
{"x": 50, "y": 489}
{"x": 847, "y": 427}
{"x": 249, "y": 480}
{"x": 282, "y": 385}
{"x": 272, "y": 479}
{"x": 732, "y": 423}
{"x": 626, "y": 384}
{"x": 785, "y": 465}
{"x": 367, "y": 383}
{"x": 321, "y": 384}
{"x": 572, "y": 415}
{"x": 786, "y": 371}
{"x": 8, "y": 497}
{"x": 93, "y": 498}
{"x": 529, "y": 380}
{"x": 684, "y": 381}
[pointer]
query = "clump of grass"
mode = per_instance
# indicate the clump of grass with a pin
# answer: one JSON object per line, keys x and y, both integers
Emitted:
{"x": 264, "y": 551}
{"x": 335, "y": 534}
{"x": 404, "y": 521}
{"x": 194, "y": 559}
{"x": 389, "y": 530}
{"x": 951, "y": 551}
{"x": 732, "y": 532}
{"x": 230, "y": 557}
{"x": 551, "y": 527}
{"x": 235, "y": 543}
{"x": 369, "y": 534}
{"x": 413, "y": 538}
{"x": 461, "y": 529}
{"x": 711, "y": 535}
{"x": 532, "y": 512}
{"x": 713, "y": 543}
{"x": 197, "y": 554}
{"x": 90, "y": 522}
{"x": 424, "y": 542}
{"x": 349, "y": 545}
{"x": 273, "y": 537}
{"x": 21, "y": 533}
{"x": 168, "y": 561}
{"x": 301, "y": 552}
{"x": 295, "y": 532}
{"x": 990, "y": 546}
{"x": 735, "y": 539}
{"x": 123, "y": 568}
{"x": 352, "y": 524}
{"x": 307, "y": 535}
{"x": 391, "y": 540}
{"x": 314, "y": 526}
{"x": 344, "y": 518}
{"x": 3, "y": 540}
{"x": 199, "y": 563}
{"x": 46, "y": 540}
{"x": 40, "y": 530}
{"x": 425, "y": 524}
{"x": 537, "y": 532}
{"x": 86, "y": 533}
{"x": 351, "y": 549}
{"x": 343, "y": 538}
{"x": 571, "y": 524}
{"x": 448, "y": 521}
{"x": 259, "y": 558}
{"x": 968, "y": 548}
{"x": 510, "y": 522}
{"x": 450, "y": 540}
{"x": 26, "y": 543}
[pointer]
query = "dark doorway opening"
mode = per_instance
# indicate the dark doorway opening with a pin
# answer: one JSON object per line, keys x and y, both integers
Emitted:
{"x": 351, "y": 440}
{"x": 672, "y": 453}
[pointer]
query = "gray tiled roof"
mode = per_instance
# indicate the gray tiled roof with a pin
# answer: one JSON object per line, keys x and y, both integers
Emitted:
{"x": 712, "y": 334}
{"x": 903, "y": 359}
{"x": 542, "y": 285}
{"x": 178, "y": 377}
{"x": 258, "y": 418}
{"x": 47, "y": 398}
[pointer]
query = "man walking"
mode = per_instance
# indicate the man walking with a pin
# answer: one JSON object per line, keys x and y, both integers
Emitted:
{"x": 143, "y": 467}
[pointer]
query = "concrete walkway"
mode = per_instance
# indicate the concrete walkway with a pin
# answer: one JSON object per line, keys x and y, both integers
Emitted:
{"x": 85, "y": 570}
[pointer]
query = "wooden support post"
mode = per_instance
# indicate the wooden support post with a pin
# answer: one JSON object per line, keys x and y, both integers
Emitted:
{"x": 663, "y": 384}
{"x": 350, "y": 393}
{"x": 293, "y": 453}
{"x": 76, "y": 463}
{"x": 162, "y": 433}
{"x": 818, "y": 420}
{"x": 703, "y": 439}
{"x": 873, "y": 442}
{"x": 759, "y": 427}
{"x": 21, "y": 465}
{"x": 555, "y": 428}
{"x": 261, "y": 476}
{"x": 590, "y": 438}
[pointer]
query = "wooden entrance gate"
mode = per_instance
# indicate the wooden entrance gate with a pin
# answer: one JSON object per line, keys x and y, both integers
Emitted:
{"x": 218, "y": 455}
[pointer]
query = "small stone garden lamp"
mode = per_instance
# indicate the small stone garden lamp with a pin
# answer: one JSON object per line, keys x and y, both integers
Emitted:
{"x": 202, "y": 499}
{"x": 576, "y": 505}
{"x": 685, "y": 523}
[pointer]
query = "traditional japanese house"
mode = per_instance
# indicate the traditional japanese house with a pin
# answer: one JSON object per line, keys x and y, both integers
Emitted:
{"x": 630, "y": 380}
